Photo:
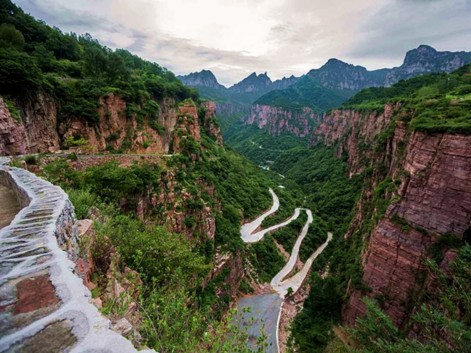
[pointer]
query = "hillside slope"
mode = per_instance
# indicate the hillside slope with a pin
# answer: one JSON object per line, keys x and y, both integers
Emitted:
{"x": 66, "y": 90}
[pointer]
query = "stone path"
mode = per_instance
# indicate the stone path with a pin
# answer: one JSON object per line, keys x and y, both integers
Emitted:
{"x": 44, "y": 305}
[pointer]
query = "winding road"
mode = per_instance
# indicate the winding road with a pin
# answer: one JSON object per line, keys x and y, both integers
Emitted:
{"x": 279, "y": 283}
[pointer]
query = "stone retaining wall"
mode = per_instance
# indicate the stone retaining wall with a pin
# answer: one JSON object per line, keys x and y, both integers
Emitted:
{"x": 44, "y": 305}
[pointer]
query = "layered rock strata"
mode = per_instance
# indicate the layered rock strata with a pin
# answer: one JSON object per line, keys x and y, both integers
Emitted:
{"x": 432, "y": 198}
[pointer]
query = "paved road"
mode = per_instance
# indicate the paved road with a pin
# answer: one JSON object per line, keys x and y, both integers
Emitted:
{"x": 277, "y": 282}
{"x": 257, "y": 313}
{"x": 267, "y": 308}
{"x": 295, "y": 282}
{"x": 247, "y": 231}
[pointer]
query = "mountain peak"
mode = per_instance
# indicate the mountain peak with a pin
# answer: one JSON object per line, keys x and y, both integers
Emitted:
{"x": 422, "y": 52}
{"x": 253, "y": 83}
{"x": 426, "y": 48}
{"x": 204, "y": 78}
{"x": 335, "y": 61}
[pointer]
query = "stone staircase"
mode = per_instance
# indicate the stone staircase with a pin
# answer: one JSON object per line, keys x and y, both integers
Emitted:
{"x": 44, "y": 305}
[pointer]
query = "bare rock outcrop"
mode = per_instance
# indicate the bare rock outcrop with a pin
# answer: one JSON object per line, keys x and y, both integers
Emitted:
{"x": 277, "y": 120}
{"x": 210, "y": 123}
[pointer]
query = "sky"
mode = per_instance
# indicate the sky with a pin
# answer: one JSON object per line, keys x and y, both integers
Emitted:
{"x": 234, "y": 38}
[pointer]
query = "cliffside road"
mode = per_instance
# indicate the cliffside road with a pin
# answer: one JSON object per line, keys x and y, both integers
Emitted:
{"x": 265, "y": 312}
{"x": 296, "y": 281}
{"x": 288, "y": 268}
{"x": 9, "y": 206}
{"x": 248, "y": 229}
{"x": 259, "y": 314}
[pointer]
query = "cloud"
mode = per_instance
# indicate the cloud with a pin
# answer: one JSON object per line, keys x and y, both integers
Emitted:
{"x": 234, "y": 38}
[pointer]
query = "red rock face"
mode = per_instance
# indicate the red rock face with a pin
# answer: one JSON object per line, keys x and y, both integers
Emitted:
{"x": 187, "y": 125}
{"x": 209, "y": 123}
{"x": 13, "y": 138}
{"x": 277, "y": 121}
{"x": 357, "y": 131}
{"x": 390, "y": 268}
{"x": 34, "y": 131}
{"x": 115, "y": 128}
{"x": 34, "y": 293}
{"x": 434, "y": 198}
{"x": 40, "y": 120}
{"x": 38, "y": 129}
{"x": 190, "y": 111}
{"x": 438, "y": 195}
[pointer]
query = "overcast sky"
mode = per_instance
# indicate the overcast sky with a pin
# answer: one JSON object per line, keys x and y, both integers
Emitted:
{"x": 234, "y": 38}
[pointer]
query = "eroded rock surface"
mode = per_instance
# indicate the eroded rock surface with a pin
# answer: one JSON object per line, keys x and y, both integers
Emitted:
{"x": 432, "y": 197}
{"x": 277, "y": 120}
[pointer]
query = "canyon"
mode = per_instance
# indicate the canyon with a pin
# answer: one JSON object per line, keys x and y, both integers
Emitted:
{"x": 129, "y": 223}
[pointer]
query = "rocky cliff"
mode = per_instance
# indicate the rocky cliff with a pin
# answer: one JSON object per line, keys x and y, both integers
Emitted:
{"x": 357, "y": 133}
{"x": 425, "y": 182}
{"x": 33, "y": 127}
{"x": 277, "y": 120}
{"x": 116, "y": 130}
{"x": 210, "y": 122}
{"x": 30, "y": 127}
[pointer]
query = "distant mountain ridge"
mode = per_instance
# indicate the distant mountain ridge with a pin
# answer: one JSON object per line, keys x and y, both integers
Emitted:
{"x": 426, "y": 59}
{"x": 253, "y": 85}
{"x": 343, "y": 79}
{"x": 338, "y": 75}
{"x": 320, "y": 89}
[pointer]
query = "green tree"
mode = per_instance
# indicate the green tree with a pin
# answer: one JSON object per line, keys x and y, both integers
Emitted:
{"x": 11, "y": 37}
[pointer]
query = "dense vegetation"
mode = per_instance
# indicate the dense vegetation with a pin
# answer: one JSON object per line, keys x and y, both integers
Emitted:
{"x": 75, "y": 69}
{"x": 306, "y": 92}
{"x": 170, "y": 266}
{"x": 432, "y": 103}
{"x": 258, "y": 145}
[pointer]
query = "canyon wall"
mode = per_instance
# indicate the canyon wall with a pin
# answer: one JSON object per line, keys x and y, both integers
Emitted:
{"x": 428, "y": 193}
{"x": 33, "y": 127}
{"x": 210, "y": 122}
{"x": 355, "y": 133}
{"x": 276, "y": 120}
